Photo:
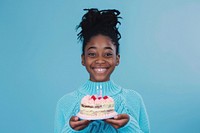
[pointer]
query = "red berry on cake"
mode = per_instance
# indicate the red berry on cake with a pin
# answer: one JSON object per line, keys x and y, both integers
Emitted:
{"x": 93, "y": 97}
{"x": 99, "y": 98}
{"x": 105, "y": 97}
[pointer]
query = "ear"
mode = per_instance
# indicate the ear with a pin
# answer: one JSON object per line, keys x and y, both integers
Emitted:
{"x": 83, "y": 59}
{"x": 117, "y": 59}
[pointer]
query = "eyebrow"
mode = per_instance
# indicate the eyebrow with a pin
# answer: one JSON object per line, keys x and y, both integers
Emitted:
{"x": 96, "y": 48}
{"x": 108, "y": 48}
{"x": 91, "y": 48}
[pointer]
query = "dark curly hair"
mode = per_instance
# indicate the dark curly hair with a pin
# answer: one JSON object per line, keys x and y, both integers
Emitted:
{"x": 96, "y": 22}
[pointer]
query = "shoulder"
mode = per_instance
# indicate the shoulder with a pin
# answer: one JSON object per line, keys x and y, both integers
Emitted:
{"x": 67, "y": 99}
{"x": 132, "y": 96}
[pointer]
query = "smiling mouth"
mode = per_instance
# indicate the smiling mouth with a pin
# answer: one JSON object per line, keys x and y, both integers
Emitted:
{"x": 100, "y": 70}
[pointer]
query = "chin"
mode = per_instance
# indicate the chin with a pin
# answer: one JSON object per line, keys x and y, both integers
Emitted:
{"x": 101, "y": 79}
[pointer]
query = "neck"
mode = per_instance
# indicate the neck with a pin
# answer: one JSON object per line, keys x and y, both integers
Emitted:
{"x": 92, "y": 88}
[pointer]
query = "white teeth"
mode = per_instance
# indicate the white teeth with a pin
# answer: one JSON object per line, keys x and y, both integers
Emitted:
{"x": 100, "y": 70}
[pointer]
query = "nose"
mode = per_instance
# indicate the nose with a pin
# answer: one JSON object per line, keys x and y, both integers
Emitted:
{"x": 100, "y": 60}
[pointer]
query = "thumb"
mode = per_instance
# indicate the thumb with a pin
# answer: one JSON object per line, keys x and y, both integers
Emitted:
{"x": 116, "y": 117}
{"x": 74, "y": 118}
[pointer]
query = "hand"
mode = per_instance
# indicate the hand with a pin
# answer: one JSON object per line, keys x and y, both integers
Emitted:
{"x": 119, "y": 121}
{"x": 77, "y": 124}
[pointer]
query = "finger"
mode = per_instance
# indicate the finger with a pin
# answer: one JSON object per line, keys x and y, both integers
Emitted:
{"x": 80, "y": 123}
{"x": 117, "y": 123}
{"x": 121, "y": 116}
{"x": 72, "y": 121}
{"x": 112, "y": 122}
{"x": 81, "y": 127}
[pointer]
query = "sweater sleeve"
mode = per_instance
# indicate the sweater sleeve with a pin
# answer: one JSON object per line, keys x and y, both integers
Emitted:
{"x": 143, "y": 118}
{"x": 61, "y": 124}
{"x": 137, "y": 126}
{"x": 67, "y": 129}
{"x": 131, "y": 127}
{"x": 59, "y": 119}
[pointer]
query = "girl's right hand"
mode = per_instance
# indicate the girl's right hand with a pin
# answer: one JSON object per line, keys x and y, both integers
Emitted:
{"x": 77, "y": 124}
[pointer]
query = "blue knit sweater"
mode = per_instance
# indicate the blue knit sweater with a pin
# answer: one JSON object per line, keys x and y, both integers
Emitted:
{"x": 126, "y": 101}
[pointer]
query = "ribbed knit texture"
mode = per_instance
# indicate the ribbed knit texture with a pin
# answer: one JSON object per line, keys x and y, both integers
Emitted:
{"x": 126, "y": 101}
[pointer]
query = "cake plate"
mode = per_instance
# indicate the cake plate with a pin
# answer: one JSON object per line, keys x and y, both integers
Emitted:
{"x": 96, "y": 118}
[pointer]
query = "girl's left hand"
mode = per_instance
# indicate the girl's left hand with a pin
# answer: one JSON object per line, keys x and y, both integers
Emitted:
{"x": 119, "y": 121}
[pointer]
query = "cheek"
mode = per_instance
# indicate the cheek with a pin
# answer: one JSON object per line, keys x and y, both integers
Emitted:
{"x": 88, "y": 62}
{"x": 113, "y": 61}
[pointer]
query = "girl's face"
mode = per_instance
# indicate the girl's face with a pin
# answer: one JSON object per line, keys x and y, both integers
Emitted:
{"x": 100, "y": 58}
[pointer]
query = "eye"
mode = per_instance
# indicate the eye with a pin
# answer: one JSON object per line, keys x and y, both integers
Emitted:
{"x": 91, "y": 54}
{"x": 108, "y": 54}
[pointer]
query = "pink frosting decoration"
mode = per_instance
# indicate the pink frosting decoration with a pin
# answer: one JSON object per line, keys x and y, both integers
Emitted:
{"x": 90, "y": 99}
{"x": 85, "y": 99}
{"x": 99, "y": 101}
{"x": 109, "y": 99}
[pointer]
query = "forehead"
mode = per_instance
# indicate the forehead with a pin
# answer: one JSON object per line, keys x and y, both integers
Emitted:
{"x": 100, "y": 42}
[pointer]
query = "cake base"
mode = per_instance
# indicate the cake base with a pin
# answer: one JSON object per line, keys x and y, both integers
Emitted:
{"x": 84, "y": 117}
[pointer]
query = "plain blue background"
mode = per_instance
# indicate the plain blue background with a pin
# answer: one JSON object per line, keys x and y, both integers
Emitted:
{"x": 40, "y": 60}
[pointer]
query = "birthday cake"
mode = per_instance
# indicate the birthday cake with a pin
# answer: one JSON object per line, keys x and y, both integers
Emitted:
{"x": 94, "y": 107}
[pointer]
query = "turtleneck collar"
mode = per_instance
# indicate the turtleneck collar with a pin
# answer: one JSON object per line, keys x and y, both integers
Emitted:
{"x": 109, "y": 88}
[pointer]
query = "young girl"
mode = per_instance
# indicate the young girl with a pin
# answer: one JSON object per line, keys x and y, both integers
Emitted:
{"x": 100, "y": 56}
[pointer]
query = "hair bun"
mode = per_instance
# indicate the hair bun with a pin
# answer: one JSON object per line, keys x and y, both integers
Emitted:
{"x": 99, "y": 22}
{"x": 110, "y": 17}
{"x": 95, "y": 19}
